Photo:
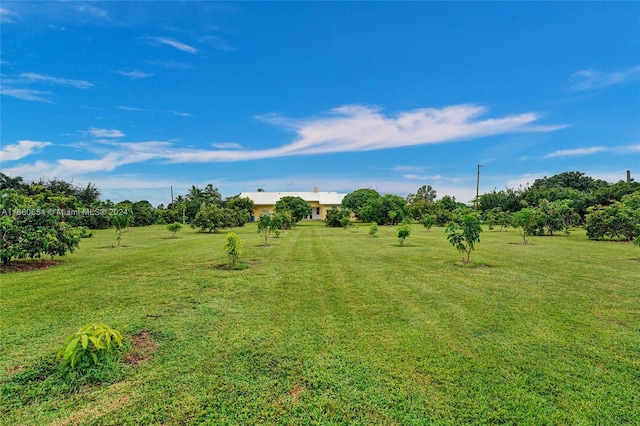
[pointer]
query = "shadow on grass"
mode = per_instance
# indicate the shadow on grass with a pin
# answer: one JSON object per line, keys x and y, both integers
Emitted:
{"x": 470, "y": 265}
{"x": 228, "y": 267}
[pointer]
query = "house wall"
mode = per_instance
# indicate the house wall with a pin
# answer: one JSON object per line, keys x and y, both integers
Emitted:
{"x": 259, "y": 210}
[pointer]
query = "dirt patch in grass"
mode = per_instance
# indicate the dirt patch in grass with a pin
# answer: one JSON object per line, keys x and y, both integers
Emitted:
{"x": 143, "y": 348}
{"x": 296, "y": 392}
{"x": 292, "y": 398}
{"x": 15, "y": 369}
{"x": 227, "y": 267}
{"x": 28, "y": 265}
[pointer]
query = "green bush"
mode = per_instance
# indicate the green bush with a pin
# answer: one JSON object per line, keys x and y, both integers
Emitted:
{"x": 373, "y": 229}
{"x": 174, "y": 227}
{"x": 337, "y": 218}
{"x": 403, "y": 232}
{"x": 233, "y": 248}
{"x": 464, "y": 233}
{"x": 92, "y": 343}
{"x": 83, "y": 232}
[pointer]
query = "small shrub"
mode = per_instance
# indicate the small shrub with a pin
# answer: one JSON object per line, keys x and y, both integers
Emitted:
{"x": 174, "y": 227}
{"x": 373, "y": 229}
{"x": 336, "y": 218}
{"x": 345, "y": 222}
{"x": 464, "y": 234}
{"x": 83, "y": 232}
{"x": 428, "y": 221}
{"x": 403, "y": 232}
{"x": 233, "y": 248}
{"x": 90, "y": 344}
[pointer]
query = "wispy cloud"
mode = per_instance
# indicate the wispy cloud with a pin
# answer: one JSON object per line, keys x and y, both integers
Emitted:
{"x": 20, "y": 150}
{"x": 576, "y": 152}
{"x": 173, "y": 43}
{"x": 31, "y": 77}
{"x": 105, "y": 133}
{"x": 593, "y": 79}
{"x": 92, "y": 10}
{"x": 353, "y": 128}
{"x": 171, "y": 65}
{"x": 7, "y": 16}
{"x": 349, "y": 128}
{"x": 18, "y": 86}
{"x": 413, "y": 176}
{"x": 227, "y": 145}
{"x": 135, "y": 74}
{"x": 174, "y": 112}
{"x": 26, "y": 94}
{"x": 217, "y": 43}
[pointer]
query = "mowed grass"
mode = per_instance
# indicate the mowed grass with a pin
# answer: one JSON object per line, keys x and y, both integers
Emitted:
{"x": 332, "y": 326}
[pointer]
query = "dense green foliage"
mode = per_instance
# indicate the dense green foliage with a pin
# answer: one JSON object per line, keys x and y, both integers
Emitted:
{"x": 619, "y": 220}
{"x": 337, "y": 217}
{"x": 574, "y": 189}
{"x": 33, "y": 227}
{"x": 369, "y": 206}
{"x": 296, "y": 206}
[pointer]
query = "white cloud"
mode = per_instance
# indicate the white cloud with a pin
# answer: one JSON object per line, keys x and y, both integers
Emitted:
{"x": 592, "y": 79}
{"x": 25, "y": 94}
{"x": 105, "y": 133}
{"x": 7, "y": 16}
{"x": 179, "y": 114}
{"x": 92, "y": 10}
{"x": 346, "y": 129}
{"x": 626, "y": 149}
{"x": 575, "y": 152}
{"x": 353, "y": 128}
{"x": 176, "y": 113}
{"x": 175, "y": 44}
{"x": 22, "y": 149}
{"x": 31, "y": 77}
{"x": 412, "y": 176}
{"x": 14, "y": 86}
{"x": 217, "y": 42}
{"x": 227, "y": 145}
{"x": 126, "y": 108}
{"x": 135, "y": 74}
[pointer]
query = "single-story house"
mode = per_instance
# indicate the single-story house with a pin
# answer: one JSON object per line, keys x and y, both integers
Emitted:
{"x": 320, "y": 202}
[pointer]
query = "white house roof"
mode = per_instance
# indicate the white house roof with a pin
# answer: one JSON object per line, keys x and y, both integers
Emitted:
{"x": 270, "y": 198}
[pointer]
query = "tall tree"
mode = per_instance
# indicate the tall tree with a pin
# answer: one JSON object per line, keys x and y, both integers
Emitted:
{"x": 426, "y": 193}
{"x": 298, "y": 207}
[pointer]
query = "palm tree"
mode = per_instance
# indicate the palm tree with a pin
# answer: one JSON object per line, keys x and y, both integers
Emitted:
{"x": 427, "y": 193}
{"x": 195, "y": 193}
{"x": 7, "y": 182}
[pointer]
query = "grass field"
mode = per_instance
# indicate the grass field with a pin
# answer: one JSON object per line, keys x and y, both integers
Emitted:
{"x": 332, "y": 326}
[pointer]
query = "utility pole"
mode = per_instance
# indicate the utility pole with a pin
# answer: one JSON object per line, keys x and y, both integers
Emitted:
{"x": 171, "y": 194}
{"x": 478, "y": 186}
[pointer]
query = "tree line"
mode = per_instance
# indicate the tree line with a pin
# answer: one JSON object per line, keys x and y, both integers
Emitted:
{"x": 48, "y": 217}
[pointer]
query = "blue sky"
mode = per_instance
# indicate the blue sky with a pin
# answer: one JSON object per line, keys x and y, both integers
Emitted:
{"x": 137, "y": 97}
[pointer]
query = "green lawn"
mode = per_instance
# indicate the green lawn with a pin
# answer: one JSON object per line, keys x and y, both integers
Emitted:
{"x": 332, "y": 326}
